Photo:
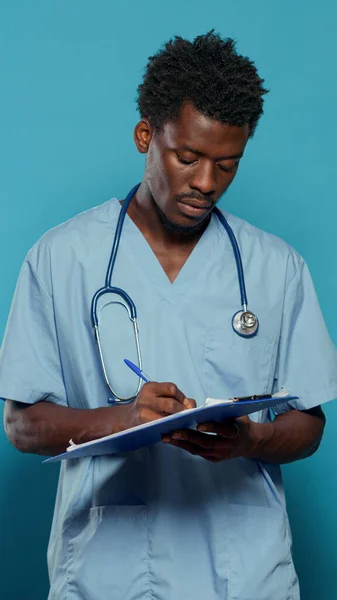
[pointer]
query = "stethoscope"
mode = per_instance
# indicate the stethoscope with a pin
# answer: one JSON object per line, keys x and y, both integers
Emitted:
{"x": 244, "y": 322}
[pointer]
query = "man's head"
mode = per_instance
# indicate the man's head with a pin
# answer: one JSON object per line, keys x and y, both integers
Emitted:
{"x": 199, "y": 103}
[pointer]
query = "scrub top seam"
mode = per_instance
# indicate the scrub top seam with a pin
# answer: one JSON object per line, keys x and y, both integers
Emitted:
{"x": 149, "y": 570}
{"x": 35, "y": 275}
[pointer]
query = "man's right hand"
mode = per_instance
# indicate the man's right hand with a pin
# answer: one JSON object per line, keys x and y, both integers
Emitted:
{"x": 46, "y": 428}
{"x": 154, "y": 401}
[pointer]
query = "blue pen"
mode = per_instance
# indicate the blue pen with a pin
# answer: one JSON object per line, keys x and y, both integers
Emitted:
{"x": 136, "y": 370}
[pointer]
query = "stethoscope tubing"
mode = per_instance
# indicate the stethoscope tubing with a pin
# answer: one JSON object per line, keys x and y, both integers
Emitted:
{"x": 113, "y": 255}
{"x": 237, "y": 256}
{"x": 118, "y": 234}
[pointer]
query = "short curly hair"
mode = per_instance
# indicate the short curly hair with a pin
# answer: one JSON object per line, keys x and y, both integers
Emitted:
{"x": 207, "y": 72}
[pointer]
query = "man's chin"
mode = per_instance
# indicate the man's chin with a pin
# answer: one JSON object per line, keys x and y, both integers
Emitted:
{"x": 178, "y": 227}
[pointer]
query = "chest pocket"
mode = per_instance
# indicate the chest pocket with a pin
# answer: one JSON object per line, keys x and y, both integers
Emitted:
{"x": 238, "y": 366}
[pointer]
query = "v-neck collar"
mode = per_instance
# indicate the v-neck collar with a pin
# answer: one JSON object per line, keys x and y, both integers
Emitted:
{"x": 146, "y": 261}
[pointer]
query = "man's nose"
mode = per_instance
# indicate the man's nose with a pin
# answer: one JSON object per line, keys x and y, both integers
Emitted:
{"x": 203, "y": 178}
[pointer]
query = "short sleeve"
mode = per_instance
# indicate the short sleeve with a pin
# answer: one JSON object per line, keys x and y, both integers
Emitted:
{"x": 30, "y": 366}
{"x": 307, "y": 359}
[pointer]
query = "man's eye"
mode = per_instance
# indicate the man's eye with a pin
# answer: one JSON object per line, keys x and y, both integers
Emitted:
{"x": 229, "y": 168}
{"x": 184, "y": 161}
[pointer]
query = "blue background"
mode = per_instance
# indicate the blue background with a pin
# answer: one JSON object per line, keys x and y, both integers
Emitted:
{"x": 69, "y": 73}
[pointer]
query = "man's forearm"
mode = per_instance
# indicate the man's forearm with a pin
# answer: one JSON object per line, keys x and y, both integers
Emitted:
{"x": 45, "y": 428}
{"x": 291, "y": 436}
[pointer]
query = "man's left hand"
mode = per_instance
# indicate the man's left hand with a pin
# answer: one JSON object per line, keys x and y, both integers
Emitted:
{"x": 232, "y": 438}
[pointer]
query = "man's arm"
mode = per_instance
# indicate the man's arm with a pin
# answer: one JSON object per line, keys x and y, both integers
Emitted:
{"x": 294, "y": 435}
{"x": 45, "y": 428}
{"x": 291, "y": 436}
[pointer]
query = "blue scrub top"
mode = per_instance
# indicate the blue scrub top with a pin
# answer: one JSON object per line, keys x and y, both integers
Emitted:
{"x": 159, "y": 522}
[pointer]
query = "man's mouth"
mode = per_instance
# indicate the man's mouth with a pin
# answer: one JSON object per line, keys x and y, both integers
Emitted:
{"x": 193, "y": 208}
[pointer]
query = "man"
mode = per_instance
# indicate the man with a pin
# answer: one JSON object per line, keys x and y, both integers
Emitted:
{"x": 198, "y": 516}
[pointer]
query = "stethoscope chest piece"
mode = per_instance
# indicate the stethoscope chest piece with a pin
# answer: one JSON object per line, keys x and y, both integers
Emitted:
{"x": 245, "y": 323}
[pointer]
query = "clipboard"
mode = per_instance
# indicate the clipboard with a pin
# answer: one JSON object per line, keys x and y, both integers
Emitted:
{"x": 151, "y": 433}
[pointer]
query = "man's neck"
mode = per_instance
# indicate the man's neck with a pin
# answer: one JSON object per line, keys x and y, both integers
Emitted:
{"x": 146, "y": 216}
{"x": 171, "y": 248}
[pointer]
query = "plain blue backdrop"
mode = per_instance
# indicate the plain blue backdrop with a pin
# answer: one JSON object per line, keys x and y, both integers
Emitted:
{"x": 69, "y": 74}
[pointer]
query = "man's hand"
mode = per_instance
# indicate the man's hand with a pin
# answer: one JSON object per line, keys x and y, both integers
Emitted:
{"x": 45, "y": 428}
{"x": 291, "y": 436}
{"x": 154, "y": 401}
{"x": 231, "y": 439}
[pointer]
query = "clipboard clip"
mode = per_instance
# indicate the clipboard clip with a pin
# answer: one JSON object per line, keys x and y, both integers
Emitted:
{"x": 254, "y": 397}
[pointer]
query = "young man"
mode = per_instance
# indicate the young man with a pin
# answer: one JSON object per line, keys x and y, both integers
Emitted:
{"x": 198, "y": 516}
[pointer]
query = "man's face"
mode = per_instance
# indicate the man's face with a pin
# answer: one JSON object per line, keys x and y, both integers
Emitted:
{"x": 190, "y": 163}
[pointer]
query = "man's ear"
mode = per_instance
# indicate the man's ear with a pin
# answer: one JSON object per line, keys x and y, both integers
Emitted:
{"x": 142, "y": 135}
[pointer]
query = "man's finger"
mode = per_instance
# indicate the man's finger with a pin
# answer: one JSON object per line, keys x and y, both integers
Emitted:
{"x": 227, "y": 429}
{"x": 171, "y": 390}
{"x": 205, "y": 453}
{"x": 195, "y": 437}
{"x": 188, "y": 447}
{"x": 163, "y": 406}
